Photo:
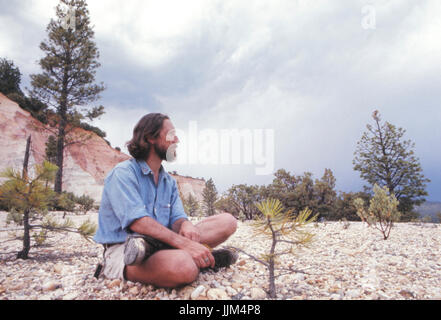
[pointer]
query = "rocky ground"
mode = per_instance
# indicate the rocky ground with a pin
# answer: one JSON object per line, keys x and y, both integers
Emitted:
{"x": 345, "y": 261}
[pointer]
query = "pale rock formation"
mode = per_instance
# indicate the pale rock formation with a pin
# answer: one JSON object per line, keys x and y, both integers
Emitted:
{"x": 85, "y": 165}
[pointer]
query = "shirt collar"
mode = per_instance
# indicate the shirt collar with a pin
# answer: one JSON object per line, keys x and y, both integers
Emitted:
{"x": 145, "y": 169}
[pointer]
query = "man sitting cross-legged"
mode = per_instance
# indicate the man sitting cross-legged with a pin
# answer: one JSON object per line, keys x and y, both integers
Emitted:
{"x": 142, "y": 224}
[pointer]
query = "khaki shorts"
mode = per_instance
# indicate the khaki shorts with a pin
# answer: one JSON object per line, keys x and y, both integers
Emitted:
{"x": 114, "y": 262}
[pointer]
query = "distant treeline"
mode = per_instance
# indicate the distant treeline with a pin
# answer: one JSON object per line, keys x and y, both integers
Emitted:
{"x": 430, "y": 210}
{"x": 298, "y": 192}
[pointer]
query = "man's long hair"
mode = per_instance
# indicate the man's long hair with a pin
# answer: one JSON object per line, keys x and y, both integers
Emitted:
{"x": 148, "y": 127}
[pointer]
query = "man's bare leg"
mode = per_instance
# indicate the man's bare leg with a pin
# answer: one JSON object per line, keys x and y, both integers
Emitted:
{"x": 165, "y": 268}
{"x": 217, "y": 229}
{"x": 173, "y": 268}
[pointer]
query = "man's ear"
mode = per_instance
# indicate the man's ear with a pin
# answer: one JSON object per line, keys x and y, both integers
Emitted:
{"x": 150, "y": 140}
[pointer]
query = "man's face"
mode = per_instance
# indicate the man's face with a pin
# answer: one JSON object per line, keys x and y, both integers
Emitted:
{"x": 165, "y": 145}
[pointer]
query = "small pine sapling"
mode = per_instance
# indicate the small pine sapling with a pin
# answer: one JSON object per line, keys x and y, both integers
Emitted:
{"x": 280, "y": 227}
{"x": 29, "y": 199}
{"x": 382, "y": 211}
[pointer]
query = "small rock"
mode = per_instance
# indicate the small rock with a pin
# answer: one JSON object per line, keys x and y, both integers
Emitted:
{"x": 114, "y": 283}
{"x": 19, "y": 286}
{"x": 236, "y": 285}
{"x": 58, "y": 268}
{"x": 70, "y": 296}
{"x": 334, "y": 289}
{"x": 299, "y": 277}
{"x": 37, "y": 288}
{"x": 231, "y": 291}
{"x": 237, "y": 296}
{"x": 382, "y": 295}
{"x": 226, "y": 283}
{"x": 197, "y": 292}
{"x": 134, "y": 291}
{"x": 173, "y": 295}
{"x": 354, "y": 293}
{"x": 51, "y": 286}
{"x": 144, "y": 290}
{"x": 185, "y": 293}
{"x": 241, "y": 262}
{"x": 257, "y": 294}
{"x": 406, "y": 294}
{"x": 45, "y": 297}
{"x": 217, "y": 294}
{"x": 124, "y": 286}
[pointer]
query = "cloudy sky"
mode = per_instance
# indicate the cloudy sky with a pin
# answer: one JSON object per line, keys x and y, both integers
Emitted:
{"x": 310, "y": 72}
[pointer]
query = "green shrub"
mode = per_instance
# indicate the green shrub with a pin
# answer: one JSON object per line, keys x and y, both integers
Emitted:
{"x": 382, "y": 211}
{"x": 63, "y": 202}
{"x": 86, "y": 203}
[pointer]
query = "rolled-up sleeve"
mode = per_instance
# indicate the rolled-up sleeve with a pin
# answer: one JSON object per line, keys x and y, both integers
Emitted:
{"x": 123, "y": 193}
{"x": 177, "y": 208}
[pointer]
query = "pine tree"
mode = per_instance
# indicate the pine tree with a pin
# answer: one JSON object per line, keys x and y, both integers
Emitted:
{"x": 67, "y": 81}
{"x": 383, "y": 158}
{"x": 325, "y": 195}
{"x": 209, "y": 198}
{"x": 280, "y": 227}
{"x": 29, "y": 197}
{"x": 192, "y": 205}
{"x": 10, "y": 77}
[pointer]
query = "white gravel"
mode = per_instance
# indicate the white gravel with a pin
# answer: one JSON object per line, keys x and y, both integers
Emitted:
{"x": 351, "y": 263}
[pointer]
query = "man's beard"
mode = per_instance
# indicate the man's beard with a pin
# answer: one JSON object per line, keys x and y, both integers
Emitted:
{"x": 162, "y": 153}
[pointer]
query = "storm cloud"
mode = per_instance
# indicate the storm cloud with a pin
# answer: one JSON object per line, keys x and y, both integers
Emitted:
{"x": 312, "y": 71}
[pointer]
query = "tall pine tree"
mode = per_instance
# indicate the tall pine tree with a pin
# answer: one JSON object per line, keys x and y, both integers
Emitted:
{"x": 69, "y": 67}
{"x": 382, "y": 157}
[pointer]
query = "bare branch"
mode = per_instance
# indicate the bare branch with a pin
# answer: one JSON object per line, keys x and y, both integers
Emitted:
{"x": 249, "y": 255}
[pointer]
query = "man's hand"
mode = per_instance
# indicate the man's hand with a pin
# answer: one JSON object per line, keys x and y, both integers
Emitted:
{"x": 189, "y": 231}
{"x": 201, "y": 254}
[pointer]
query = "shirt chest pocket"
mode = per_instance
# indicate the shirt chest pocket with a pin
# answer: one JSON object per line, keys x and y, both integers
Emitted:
{"x": 164, "y": 209}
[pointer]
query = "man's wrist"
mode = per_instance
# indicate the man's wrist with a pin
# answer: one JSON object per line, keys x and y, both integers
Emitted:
{"x": 178, "y": 224}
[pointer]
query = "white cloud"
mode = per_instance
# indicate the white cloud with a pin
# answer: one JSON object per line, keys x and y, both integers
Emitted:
{"x": 149, "y": 32}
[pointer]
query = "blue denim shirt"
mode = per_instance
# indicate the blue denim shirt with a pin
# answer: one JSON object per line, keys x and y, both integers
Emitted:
{"x": 130, "y": 193}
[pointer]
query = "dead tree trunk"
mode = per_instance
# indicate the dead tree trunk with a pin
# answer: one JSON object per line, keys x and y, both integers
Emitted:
{"x": 26, "y": 158}
{"x": 23, "y": 254}
{"x": 26, "y": 237}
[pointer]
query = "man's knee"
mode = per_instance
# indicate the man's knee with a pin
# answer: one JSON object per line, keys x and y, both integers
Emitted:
{"x": 183, "y": 266}
{"x": 229, "y": 222}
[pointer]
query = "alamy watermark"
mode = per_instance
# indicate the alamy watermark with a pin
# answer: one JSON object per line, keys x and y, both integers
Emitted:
{"x": 369, "y": 17}
{"x": 223, "y": 147}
